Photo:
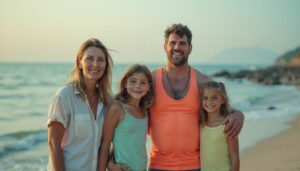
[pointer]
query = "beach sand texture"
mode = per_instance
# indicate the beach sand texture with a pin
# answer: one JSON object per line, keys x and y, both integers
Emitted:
{"x": 278, "y": 153}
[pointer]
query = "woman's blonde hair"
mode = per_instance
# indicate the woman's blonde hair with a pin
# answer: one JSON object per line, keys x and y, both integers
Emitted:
{"x": 104, "y": 83}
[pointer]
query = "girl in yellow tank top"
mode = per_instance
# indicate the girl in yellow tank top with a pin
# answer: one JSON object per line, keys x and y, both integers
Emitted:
{"x": 218, "y": 152}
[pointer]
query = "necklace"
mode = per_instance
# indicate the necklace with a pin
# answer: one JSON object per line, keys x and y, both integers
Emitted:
{"x": 178, "y": 94}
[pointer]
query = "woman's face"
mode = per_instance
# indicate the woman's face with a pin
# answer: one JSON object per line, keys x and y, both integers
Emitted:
{"x": 92, "y": 64}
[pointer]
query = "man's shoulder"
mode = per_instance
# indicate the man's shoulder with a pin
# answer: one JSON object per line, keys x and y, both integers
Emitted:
{"x": 156, "y": 69}
{"x": 201, "y": 78}
{"x": 153, "y": 73}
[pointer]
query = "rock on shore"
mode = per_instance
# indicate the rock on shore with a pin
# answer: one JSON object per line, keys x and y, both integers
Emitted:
{"x": 285, "y": 71}
{"x": 274, "y": 75}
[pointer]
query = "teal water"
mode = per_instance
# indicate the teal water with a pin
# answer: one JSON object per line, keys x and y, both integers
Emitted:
{"x": 25, "y": 91}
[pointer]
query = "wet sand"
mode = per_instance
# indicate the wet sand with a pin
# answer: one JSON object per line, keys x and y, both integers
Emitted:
{"x": 280, "y": 152}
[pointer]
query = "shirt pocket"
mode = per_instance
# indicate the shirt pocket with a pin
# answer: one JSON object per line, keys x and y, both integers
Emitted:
{"x": 83, "y": 127}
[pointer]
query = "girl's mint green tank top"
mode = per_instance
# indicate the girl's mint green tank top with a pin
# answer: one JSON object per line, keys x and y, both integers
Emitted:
{"x": 130, "y": 142}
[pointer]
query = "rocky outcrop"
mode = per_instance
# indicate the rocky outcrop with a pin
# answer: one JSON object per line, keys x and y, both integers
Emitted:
{"x": 275, "y": 75}
{"x": 285, "y": 71}
{"x": 291, "y": 58}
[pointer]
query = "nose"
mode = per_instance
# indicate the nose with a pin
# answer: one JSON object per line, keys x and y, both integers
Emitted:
{"x": 176, "y": 46}
{"x": 137, "y": 85}
{"x": 95, "y": 63}
{"x": 208, "y": 101}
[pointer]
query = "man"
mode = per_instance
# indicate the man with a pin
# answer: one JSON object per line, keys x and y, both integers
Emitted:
{"x": 174, "y": 118}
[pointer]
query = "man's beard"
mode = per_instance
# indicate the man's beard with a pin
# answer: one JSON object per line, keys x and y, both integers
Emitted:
{"x": 178, "y": 62}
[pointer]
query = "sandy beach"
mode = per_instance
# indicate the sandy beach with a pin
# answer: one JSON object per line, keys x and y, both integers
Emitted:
{"x": 280, "y": 152}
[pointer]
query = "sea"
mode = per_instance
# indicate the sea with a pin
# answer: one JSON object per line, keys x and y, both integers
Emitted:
{"x": 26, "y": 88}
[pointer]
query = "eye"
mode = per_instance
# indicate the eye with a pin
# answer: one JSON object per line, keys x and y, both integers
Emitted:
{"x": 172, "y": 43}
{"x": 144, "y": 82}
{"x": 101, "y": 60}
{"x": 89, "y": 58}
{"x": 215, "y": 98}
{"x": 204, "y": 98}
{"x": 183, "y": 43}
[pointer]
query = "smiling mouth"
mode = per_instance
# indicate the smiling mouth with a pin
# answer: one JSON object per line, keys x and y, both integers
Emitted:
{"x": 177, "y": 53}
{"x": 210, "y": 107}
{"x": 94, "y": 71}
{"x": 137, "y": 92}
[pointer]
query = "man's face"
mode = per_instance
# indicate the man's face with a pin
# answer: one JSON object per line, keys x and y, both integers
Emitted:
{"x": 177, "y": 49}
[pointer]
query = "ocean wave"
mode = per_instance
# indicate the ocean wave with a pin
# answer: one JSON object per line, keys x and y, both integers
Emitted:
{"x": 246, "y": 102}
{"x": 9, "y": 87}
{"x": 20, "y": 141}
{"x": 277, "y": 112}
{"x": 13, "y": 96}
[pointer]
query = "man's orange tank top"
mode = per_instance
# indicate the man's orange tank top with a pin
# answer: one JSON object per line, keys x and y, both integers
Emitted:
{"x": 174, "y": 128}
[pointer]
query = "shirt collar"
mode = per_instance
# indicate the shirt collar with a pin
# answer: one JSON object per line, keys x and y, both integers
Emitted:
{"x": 76, "y": 91}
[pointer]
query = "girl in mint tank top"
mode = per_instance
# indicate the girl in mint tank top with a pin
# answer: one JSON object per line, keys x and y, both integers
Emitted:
{"x": 125, "y": 124}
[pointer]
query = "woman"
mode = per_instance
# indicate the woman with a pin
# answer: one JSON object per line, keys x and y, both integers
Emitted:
{"x": 75, "y": 116}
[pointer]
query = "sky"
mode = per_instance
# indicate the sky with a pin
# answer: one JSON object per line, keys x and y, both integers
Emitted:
{"x": 52, "y": 31}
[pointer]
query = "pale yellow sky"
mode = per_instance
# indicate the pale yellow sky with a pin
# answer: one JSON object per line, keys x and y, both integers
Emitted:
{"x": 52, "y": 31}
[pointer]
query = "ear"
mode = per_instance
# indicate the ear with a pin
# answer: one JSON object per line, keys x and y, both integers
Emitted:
{"x": 78, "y": 64}
{"x": 190, "y": 48}
{"x": 165, "y": 46}
{"x": 125, "y": 84}
{"x": 149, "y": 86}
{"x": 222, "y": 100}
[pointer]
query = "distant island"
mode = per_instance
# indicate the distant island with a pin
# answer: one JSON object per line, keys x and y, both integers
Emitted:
{"x": 244, "y": 56}
{"x": 285, "y": 70}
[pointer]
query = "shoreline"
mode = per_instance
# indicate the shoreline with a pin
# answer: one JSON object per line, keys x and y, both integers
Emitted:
{"x": 279, "y": 152}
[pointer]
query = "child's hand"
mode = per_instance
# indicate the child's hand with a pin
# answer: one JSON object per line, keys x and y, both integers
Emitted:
{"x": 116, "y": 167}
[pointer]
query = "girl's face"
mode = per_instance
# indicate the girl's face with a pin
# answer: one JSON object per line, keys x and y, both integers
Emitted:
{"x": 92, "y": 63}
{"x": 137, "y": 85}
{"x": 212, "y": 100}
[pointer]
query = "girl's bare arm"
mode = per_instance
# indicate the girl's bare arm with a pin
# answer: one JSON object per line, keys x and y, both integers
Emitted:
{"x": 233, "y": 144}
{"x": 110, "y": 123}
